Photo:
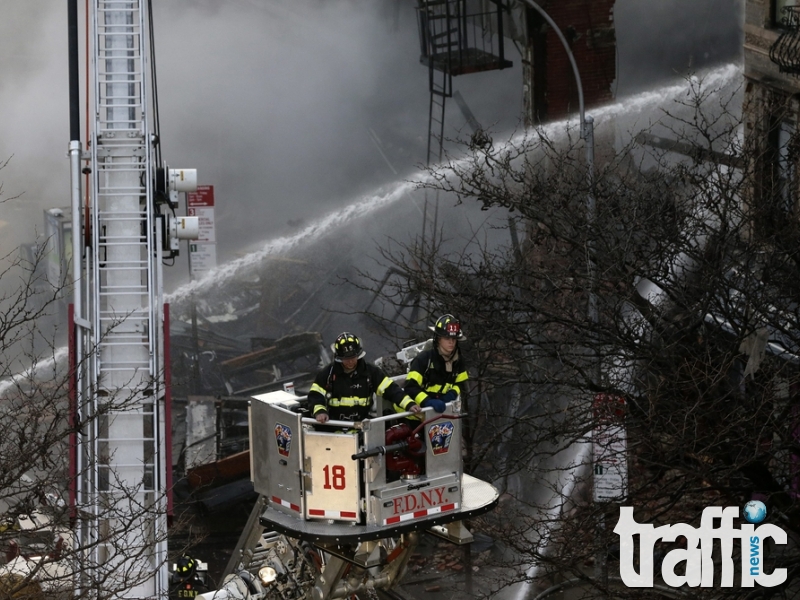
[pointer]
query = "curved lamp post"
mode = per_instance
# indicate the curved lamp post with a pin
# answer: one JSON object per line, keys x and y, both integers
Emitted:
{"x": 585, "y": 126}
{"x": 587, "y": 134}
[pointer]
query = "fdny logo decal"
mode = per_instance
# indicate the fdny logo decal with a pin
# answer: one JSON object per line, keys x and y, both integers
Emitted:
{"x": 283, "y": 436}
{"x": 440, "y": 435}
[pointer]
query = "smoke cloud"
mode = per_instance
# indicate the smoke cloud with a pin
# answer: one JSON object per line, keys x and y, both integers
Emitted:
{"x": 292, "y": 109}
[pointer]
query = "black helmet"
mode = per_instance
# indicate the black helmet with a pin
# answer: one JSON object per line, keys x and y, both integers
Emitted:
{"x": 447, "y": 326}
{"x": 347, "y": 345}
{"x": 185, "y": 566}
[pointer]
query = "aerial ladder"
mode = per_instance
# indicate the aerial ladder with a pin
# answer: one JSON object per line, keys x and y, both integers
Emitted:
{"x": 123, "y": 230}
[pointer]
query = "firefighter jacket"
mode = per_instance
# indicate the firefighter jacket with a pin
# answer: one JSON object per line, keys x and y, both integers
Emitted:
{"x": 348, "y": 396}
{"x": 428, "y": 376}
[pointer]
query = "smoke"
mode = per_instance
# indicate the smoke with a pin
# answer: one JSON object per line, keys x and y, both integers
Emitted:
{"x": 34, "y": 130}
{"x": 293, "y": 109}
{"x": 660, "y": 40}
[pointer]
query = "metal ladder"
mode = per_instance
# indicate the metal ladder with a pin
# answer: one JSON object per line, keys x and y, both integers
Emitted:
{"x": 258, "y": 546}
{"x": 441, "y": 87}
{"x": 124, "y": 469}
{"x": 254, "y": 542}
{"x": 441, "y": 40}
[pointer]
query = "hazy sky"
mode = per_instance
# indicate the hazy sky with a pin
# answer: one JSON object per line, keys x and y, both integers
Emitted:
{"x": 280, "y": 103}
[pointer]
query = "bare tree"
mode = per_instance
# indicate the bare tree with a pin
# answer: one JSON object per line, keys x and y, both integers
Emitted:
{"x": 39, "y": 555}
{"x": 675, "y": 292}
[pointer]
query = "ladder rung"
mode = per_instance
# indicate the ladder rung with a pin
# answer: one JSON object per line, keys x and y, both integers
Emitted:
{"x": 119, "y": 344}
{"x": 134, "y": 216}
{"x": 142, "y": 466}
{"x": 109, "y": 97}
{"x": 129, "y": 216}
{"x": 131, "y": 123}
{"x": 444, "y": 33}
{"x": 122, "y": 168}
{"x": 115, "y": 192}
{"x": 132, "y": 241}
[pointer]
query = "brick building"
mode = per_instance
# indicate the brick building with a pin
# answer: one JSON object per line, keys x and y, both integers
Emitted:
{"x": 549, "y": 87}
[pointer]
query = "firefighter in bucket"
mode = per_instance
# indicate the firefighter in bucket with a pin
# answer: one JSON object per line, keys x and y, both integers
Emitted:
{"x": 343, "y": 390}
{"x": 437, "y": 376}
{"x": 434, "y": 379}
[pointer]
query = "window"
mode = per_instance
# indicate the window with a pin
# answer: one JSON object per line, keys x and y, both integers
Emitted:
{"x": 783, "y": 154}
{"x": 778, "y": 16}
{"x": 774, "y": 208}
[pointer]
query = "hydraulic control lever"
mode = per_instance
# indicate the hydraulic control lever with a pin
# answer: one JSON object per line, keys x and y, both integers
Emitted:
{"x": 380, "y": 450}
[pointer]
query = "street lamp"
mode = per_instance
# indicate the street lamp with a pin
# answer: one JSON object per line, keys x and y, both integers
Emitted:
{"x": 587, "y": 134}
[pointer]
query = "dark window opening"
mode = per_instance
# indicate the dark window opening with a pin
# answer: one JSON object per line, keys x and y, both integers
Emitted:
{"x": 778, "y": 16}
{"x": 783, "y": 155}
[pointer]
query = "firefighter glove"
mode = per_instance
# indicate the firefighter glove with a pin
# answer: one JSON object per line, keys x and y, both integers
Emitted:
{"x": 437, "y": 405}
{"x": 449, "y": 396}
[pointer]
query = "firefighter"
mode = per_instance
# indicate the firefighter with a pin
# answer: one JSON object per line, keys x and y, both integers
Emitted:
{"x": 343, "y": 390}
{"x": 437, "y": 375}
{"x": 188, "y": 578}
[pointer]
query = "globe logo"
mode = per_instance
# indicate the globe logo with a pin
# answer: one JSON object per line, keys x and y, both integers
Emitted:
{"x": 755, "y": 511}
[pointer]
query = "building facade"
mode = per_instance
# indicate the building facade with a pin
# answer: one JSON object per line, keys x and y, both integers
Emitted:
{"x": 549, "y": 86}
{"x": 771, "y": 106}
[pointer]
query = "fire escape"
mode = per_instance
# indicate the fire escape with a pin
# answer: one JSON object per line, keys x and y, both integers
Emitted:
{"x": 785, "y": 52}
{"x": 457, "y": 37}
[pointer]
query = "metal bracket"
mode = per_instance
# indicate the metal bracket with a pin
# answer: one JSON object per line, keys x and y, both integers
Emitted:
{"x": 82, "y": 323}
{"x": 368, "y": 554}
{"x": 454, "y": 532}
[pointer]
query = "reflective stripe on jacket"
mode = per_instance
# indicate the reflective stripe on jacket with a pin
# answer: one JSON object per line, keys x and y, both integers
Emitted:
{"x": 348, "y": 396}
{"x": 429, "y": 376}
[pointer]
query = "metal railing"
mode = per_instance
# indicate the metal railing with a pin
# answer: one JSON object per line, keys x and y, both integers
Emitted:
{"x": 462, "y": 36}
{"x": 785, "y": 52}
